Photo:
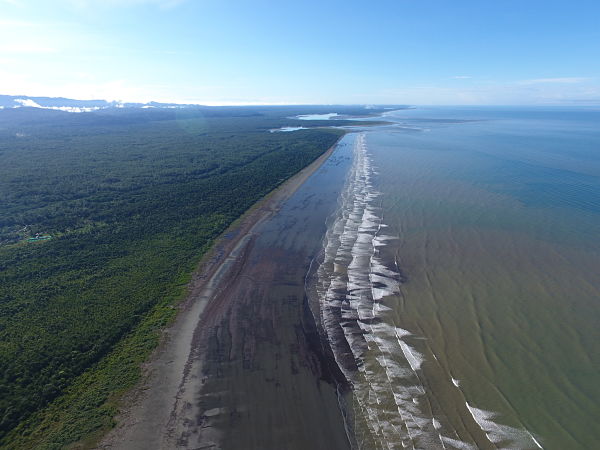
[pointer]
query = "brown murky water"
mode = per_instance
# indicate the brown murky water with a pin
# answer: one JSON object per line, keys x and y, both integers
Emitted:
{"x": 460, "y": 282}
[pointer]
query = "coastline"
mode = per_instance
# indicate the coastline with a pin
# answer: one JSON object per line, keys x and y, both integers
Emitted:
{"x": 151, "y": 412}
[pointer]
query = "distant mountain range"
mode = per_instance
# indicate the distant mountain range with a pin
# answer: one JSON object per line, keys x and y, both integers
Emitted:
{"x": 71, "y": 105}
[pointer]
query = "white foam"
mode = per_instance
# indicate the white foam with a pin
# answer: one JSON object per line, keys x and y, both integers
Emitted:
{"x": 400, "y": 332}
{"x": 414, "y": 358}
{"x": 535, "y": 441}
{"x": 497, "y": 433}
{"x": 351, "y": 282}
{"x": 455, "y": 443}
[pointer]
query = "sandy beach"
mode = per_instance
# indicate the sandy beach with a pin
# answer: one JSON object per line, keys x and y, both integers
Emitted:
{"x": 242, "y": 366}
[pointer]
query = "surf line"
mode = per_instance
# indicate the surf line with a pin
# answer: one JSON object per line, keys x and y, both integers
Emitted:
{"x": 353, "y": 284}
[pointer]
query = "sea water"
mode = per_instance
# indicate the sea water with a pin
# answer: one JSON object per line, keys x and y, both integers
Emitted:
{"x": 459, "y": 281}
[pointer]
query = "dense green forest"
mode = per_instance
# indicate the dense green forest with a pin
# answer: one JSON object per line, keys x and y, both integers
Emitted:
{"x": 131, "y": 198}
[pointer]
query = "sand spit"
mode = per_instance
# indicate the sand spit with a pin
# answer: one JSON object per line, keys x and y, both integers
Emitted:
{"x": 243, "y": 365}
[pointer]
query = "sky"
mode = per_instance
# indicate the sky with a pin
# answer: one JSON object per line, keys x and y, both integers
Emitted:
{"x": 311, "y": 52}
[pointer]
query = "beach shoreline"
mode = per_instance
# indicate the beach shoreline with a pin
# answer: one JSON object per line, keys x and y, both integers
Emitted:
{"x": 149, "y": 415}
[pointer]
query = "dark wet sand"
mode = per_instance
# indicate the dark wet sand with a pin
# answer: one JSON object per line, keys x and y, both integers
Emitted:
{"x": 243, "y": 366}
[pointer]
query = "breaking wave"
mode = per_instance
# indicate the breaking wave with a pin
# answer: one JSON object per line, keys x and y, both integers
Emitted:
{"x": 352, "y": 284}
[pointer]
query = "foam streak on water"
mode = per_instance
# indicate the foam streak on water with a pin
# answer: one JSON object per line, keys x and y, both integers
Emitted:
{"x": 353, "y": 284}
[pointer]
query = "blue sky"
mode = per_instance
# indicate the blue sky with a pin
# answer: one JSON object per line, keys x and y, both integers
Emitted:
{"x": 282, "y": 52}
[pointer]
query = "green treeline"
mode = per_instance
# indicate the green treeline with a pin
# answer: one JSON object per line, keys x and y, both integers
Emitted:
{"x": 132, "y": 200}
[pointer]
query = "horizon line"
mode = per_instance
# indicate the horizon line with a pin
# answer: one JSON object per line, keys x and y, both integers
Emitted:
{"x": 591, "y": 102}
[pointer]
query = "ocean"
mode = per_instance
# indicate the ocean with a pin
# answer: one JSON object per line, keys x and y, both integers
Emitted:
{"x": 459, "y": 278}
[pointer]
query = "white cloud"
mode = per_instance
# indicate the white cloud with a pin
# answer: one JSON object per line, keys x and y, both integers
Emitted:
{"x": 13, "y": 83}
{"x": 462, "y": 77}
{"x": 25, "y": 47}
{"x": 16, "y": 23}
{"x": 564, "y": 80}
{"x": 26, "y": 102}
{"x": 85, "y": 4}
{"x": 516, "y": 93}
{"x": 24, "y": 38}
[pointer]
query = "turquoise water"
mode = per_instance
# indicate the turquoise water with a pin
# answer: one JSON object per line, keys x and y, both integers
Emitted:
{"x": 465, "y": 260}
